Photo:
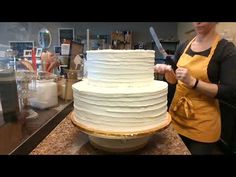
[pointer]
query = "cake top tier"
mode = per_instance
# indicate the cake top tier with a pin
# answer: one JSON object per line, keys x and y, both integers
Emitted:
{"x": 112, "y": 68}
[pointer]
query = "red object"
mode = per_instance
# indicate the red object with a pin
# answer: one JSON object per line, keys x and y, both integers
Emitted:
{"x": 34, "y": 60}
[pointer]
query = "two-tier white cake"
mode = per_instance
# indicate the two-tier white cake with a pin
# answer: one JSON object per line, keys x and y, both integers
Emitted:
{"x": 120, "y": 94}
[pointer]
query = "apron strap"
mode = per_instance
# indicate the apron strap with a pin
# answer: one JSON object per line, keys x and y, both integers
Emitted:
{"x": 213, "y": 47}
{"x": 186, "y": 48}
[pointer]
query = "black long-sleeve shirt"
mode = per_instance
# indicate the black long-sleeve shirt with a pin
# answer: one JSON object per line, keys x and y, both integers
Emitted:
{"x": 221, "y": 69}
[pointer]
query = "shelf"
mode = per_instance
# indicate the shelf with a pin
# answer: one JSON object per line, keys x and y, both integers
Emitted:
{"x": 122, "y": 40}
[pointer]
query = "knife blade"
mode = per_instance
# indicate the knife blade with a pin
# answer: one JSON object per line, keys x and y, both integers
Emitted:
{"x": 157, "y": 42}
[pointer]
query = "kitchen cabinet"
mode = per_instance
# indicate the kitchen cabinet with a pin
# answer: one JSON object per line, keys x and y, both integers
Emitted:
{"x": 169, "y": 46}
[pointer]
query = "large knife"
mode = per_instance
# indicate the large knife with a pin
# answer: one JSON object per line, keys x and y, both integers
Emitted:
{"x": 157, "y": 42}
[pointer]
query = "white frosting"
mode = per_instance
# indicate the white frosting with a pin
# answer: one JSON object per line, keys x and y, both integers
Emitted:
{"x": 120, "y": 94}
{"x": 112, "y": 68}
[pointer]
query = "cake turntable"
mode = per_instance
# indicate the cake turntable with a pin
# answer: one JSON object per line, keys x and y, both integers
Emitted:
{"x": 119, "y": 141}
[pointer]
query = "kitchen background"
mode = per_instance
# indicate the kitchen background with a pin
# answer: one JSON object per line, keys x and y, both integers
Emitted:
{"x": 174, "y": 31}
{"x": 168, "y": 32}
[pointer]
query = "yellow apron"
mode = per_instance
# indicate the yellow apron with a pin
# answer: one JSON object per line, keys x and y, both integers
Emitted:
{"x": 194, "y": 114}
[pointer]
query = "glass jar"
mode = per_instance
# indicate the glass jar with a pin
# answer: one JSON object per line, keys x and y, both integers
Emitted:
{"x": 45, "y": 94}
{"x": 8, "y": 93}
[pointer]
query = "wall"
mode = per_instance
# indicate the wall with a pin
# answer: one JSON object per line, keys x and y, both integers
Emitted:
{"x": 29, "y": 30}
{"x": 230, "y": 27}
{"x": 25, "y": 31}
{"x": 183, "y": 27}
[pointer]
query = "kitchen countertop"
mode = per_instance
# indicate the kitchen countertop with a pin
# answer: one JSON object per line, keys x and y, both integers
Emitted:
{"x": 22, "y": 136}
{"x": 66, "y": 139}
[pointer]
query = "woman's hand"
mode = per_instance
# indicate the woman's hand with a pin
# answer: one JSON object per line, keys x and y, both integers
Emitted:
{"x": 183, "y": 75}
{"x": 162, "y": 68}
{"x": 167, "y": 71}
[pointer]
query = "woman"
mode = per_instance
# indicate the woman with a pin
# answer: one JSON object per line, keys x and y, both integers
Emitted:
{"x": 205, "y": 74}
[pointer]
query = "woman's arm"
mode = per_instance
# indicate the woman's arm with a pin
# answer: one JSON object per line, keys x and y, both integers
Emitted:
{"x": 227, "y": 84}
{"x": 208, "y": 89}
{"x": 225, "y": 89}
{"x": 170, "y": 77}
{"x": 170, "y": 74}
{"x": 167, "y": 71}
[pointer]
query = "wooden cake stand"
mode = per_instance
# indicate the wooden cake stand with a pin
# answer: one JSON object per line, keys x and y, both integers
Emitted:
{"x": 119, "y": 141}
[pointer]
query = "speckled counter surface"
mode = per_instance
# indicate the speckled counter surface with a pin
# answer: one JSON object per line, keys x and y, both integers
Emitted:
{"x": 66, "y": 139}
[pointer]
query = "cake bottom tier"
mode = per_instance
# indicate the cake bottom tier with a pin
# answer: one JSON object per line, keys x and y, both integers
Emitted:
{"x": 119, "y": 141}
{"x": 121, "y": 109}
